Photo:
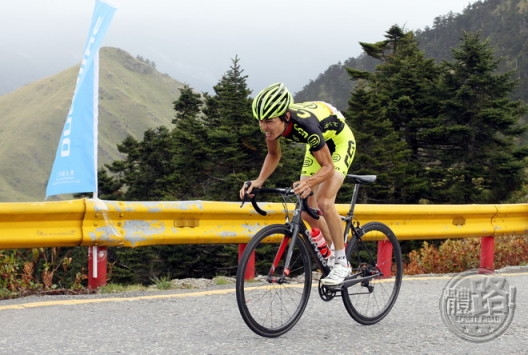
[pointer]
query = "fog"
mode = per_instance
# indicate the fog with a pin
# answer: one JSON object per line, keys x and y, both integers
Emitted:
{"x": 194, "y": 41}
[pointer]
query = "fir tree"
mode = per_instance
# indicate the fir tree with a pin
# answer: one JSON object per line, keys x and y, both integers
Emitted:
{"x": 379, "y": 150}
{"x": 188, "y": 148}
{"x": 233, "y": 145}
{"x": 479, "y": 155}
{"x": 386, "y": 112}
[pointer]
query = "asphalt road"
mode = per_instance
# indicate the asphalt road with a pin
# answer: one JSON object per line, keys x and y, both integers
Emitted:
{"x": 208, "y": 322}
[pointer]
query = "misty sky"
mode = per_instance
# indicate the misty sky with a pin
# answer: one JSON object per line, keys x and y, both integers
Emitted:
{"x": 194, "y": 40}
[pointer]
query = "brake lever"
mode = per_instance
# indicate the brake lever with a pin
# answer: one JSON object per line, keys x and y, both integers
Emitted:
{"x": 247, "y": 184}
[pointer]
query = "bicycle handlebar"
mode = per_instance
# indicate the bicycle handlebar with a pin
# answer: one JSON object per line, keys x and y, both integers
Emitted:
{"x": 277, "y": 190}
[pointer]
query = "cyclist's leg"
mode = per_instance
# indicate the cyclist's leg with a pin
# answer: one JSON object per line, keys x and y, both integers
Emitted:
{"x": 310, "y": 167}
{"x": 318, "y": 223}
{"x": 325, "y": 199}
{"x": 343, "y": 148}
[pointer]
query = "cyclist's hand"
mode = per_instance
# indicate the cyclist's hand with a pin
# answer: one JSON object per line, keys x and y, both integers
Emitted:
{"x": 302, "y": 189}
{"x": 245, "y": 190}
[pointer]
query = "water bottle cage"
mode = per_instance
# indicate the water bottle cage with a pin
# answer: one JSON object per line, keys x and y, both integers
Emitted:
{"x": 318, "y": 253}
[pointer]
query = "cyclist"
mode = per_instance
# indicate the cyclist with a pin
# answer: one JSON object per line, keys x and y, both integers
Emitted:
{"x": 330, "y": 149}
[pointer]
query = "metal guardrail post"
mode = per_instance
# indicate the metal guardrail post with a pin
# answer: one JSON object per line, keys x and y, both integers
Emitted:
{"x": 97, "y": 260}
{"x": 250, "y": 271}
{"x": 487, "y": 252}
{"x": 385, "y": 257}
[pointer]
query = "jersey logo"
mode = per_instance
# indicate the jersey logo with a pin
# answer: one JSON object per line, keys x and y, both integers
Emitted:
{"x": 307, "y": 162}
{"x": 314, "y": 140}
{"x": 301, "y": 131}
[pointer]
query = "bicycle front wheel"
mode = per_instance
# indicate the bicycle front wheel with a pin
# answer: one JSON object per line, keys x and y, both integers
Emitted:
{"x": 376, "y": 254}
{"x": 271, "y": 299}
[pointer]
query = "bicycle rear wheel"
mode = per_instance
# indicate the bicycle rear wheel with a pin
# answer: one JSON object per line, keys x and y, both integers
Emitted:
{"x": 272, "y": 301}
{"x": 377, "y": 252}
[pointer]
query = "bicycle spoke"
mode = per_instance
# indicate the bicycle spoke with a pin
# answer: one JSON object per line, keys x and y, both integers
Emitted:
{"x": 271, "y": 302}
{"x": 376, "y": 254}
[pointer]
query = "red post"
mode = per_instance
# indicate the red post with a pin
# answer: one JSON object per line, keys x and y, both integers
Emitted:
{"x": 487, "y": 251}
{"x": 385, "y": 257}
{"x": 97, "y": 257}
{"x": 250, "y": 270}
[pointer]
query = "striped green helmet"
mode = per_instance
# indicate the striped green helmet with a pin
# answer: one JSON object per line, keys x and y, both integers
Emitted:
{"x": 272, "y": 102}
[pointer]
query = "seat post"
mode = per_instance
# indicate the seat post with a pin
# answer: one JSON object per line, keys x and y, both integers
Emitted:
{"x": 353, "y": 199}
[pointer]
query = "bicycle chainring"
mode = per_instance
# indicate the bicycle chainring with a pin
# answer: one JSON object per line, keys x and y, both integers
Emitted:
{"x": 326, "y": 294}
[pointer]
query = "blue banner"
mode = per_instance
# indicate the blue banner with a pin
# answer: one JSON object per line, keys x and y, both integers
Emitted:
{"x": 75, "y": 167}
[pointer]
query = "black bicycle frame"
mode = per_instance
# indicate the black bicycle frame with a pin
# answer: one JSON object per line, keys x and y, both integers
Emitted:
{"x": 298, "y": 229}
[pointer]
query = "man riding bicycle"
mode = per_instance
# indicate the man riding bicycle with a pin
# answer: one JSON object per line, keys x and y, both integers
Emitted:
{"x": 330, "y": 149}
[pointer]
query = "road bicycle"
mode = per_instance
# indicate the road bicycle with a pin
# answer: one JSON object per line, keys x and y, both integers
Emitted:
{"x": 276, "y": 269}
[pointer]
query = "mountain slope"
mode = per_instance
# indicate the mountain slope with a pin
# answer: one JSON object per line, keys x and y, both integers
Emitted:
{"x": 504, "y": 23}
{"x": 133, "y": 97}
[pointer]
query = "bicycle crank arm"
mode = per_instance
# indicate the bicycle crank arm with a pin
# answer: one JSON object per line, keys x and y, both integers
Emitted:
{"x": 352, "y": 281}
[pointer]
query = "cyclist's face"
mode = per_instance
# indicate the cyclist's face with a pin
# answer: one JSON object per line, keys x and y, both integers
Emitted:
{"x": 272, "y": 128}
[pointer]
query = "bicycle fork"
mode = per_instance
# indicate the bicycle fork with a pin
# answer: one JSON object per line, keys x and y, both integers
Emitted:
{"x": 286, "y": 245}
{"x": 276, "y": 260}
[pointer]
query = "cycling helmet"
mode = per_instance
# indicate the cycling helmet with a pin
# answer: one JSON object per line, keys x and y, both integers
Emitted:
{"x": 271, "y": 102}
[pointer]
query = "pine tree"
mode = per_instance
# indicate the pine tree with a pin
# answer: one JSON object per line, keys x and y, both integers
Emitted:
{"x": 386, "y": 112}
{"x": 188, "y": 148}
{"x": 124, "y": 171}
{"x": 188, "y": 107}
{"x": 479, "y": 155}
{"x": 379, "y": 150}
{"x": 109, "y": 187}
{"x": 147, "y": 162}
{"x": 233, "y": 146}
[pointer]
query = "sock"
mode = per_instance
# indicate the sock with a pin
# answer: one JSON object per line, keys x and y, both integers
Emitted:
{"x": 341, "y": 257}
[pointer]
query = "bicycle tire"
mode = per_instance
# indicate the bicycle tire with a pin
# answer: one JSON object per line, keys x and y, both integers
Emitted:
{"x": 268, "y": 307}
{"x": 369, "y": 302}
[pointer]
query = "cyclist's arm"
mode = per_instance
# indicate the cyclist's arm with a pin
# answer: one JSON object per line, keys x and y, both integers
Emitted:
{"x": 271, "y": 161}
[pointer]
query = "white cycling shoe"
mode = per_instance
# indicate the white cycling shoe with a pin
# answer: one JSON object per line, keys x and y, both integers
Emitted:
{"x": 337, "y": 275}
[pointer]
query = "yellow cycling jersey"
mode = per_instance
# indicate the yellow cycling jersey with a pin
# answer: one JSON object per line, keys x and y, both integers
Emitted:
{"x": 314, "y": 123}
{"x": 317, "y": 123}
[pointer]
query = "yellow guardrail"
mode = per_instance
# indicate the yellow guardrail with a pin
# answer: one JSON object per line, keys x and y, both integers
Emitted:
{"x": 93, "y": 222}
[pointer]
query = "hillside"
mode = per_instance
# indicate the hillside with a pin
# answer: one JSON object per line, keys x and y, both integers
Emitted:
{"x": 133, "y": 97}
{"x": 504, "y": 23}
